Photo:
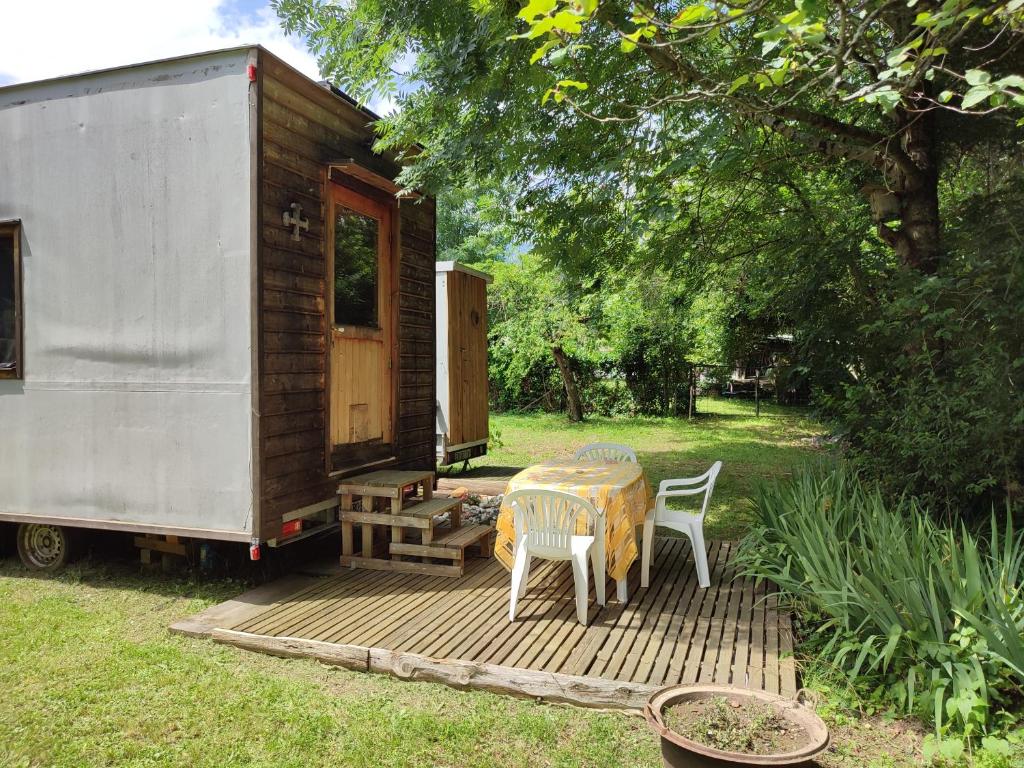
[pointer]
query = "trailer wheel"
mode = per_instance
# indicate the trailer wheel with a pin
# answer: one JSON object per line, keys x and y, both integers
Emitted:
{"x": 44, "y": 547}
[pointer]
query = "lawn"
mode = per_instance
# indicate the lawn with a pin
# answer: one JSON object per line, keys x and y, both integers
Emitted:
{"x": 752, "y": 448}
{"x": 91, "y": 676}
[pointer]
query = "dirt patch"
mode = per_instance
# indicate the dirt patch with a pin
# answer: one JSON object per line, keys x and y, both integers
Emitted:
{"x": 873, "y": 741}
{"x": 740, "y": 724}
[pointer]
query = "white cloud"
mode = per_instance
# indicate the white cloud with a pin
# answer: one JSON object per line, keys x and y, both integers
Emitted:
{"x": 49, "y": 38}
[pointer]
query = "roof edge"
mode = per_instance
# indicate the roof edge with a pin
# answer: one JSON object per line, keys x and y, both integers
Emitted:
{"x": 133, "y": 65}
{"x": 458, "y": 266}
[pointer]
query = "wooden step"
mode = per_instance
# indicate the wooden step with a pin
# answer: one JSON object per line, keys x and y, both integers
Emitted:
{"x": 449, "y": 544}
{"x": 430, "y": 509}
{"x": 464, "y": 536}
{"x": 425, "y": 550}
{"x": 384, "y": 518}
{"x": 387, "y": 483}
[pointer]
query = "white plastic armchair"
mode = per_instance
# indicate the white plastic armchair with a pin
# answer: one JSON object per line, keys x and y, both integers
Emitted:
{"x": 545, "y": 527}
{"x": 689, "y": 523}
{"x": 605, "y": 452}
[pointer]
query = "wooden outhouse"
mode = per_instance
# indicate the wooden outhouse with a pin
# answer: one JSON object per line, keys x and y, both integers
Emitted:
{"x": 218, "y": 302}
{"x": 462, "y": 402}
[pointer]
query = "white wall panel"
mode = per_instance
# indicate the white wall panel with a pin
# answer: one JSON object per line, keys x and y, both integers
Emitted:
{"x": 134, "y": 193}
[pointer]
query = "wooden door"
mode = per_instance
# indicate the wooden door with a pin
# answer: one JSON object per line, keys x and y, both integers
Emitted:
{"x": 467, "y": 350}
{"x": 360, "y": 278}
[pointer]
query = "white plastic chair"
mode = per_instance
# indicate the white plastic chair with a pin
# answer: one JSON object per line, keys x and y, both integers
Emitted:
{"x": 690, "y": 523}
{"x": 605, "y": 452}
{"x": 545, "y": 527}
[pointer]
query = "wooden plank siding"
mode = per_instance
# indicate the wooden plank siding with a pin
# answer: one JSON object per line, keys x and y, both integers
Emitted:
{"x": 467, "y": 358}
{"x": 302, "y": 127}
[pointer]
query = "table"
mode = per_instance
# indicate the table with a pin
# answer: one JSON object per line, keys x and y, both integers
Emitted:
{"x": 619, "y": 489}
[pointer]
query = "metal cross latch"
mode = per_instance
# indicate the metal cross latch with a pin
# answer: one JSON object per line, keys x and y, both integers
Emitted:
{"x": 295, "y": 220}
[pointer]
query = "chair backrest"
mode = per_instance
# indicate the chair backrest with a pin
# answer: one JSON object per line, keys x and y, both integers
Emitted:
{"x": 550, "y": 519}
{"x": 689, "y": 486}
{"x": 605, "y": 452}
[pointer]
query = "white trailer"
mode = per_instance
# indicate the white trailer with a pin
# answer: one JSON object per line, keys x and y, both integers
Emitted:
{"x": 171, "y": 362}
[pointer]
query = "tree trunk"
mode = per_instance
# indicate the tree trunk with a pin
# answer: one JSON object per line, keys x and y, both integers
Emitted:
{"x": 572, "y": 394}
{"x": 914, "y": 178}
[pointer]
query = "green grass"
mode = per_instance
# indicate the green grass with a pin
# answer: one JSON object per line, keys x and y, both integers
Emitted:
{"x": 91, "y": 677}
{"x": 751, "y": 448}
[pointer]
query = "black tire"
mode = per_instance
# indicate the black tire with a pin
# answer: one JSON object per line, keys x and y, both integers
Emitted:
{"x": 44, "y": 547}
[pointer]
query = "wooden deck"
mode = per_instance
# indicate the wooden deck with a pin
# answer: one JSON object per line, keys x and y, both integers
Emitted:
{"x": 425, "y": 627}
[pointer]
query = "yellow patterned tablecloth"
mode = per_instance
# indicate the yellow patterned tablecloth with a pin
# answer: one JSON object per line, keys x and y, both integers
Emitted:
{"x": 619, "y": 489}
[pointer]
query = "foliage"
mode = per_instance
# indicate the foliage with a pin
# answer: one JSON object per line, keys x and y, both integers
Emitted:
{"x": 873, "y": 52}
{"x": 533, "y": 309}
{"x": 862, "y": 81}
{"x": 471, "y": 227}
{"x": 937, "y": 407}
{"x": 634, "y": 342}
{"x": 931, "y": 618}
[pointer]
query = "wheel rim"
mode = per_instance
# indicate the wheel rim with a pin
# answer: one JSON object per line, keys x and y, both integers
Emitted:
{"x": 43, "y": 545}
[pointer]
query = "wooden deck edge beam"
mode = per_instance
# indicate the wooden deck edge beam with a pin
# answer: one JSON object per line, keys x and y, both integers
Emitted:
{"x": 591, "y": 692}
{"x": 380, "y": 564}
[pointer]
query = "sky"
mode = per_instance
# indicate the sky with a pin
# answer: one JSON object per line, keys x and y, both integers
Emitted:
{"x": 48, "y": 38}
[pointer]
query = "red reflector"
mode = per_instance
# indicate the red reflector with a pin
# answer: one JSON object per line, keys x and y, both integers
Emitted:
{"x": 251, "y": 70}
{"x": 254, "y": 551}
{"x": 291, "y": 528}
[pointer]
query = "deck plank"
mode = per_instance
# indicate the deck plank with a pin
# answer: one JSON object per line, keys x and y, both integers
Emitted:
{"x": 733, "y": 632}
{"x": 671, "y": 671}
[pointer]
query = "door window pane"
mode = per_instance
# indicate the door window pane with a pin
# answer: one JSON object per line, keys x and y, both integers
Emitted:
{"x": 8, "y": 299}
{"x": 355, "y": 268}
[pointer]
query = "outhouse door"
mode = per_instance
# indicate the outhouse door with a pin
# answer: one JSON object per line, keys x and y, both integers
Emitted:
{"x": 362, "y": 369}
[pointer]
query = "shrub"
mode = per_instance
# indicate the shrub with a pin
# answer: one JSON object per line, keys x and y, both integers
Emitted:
{"x": 930, "y": 618}
{"x": 936, "y": 407}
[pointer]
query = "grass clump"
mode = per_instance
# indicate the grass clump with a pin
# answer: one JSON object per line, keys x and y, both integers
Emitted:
{"x": 927, "y": 618}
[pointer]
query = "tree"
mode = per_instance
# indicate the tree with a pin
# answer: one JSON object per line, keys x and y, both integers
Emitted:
{"x": 875, "y": 82}
{"x": 538, "y": 315}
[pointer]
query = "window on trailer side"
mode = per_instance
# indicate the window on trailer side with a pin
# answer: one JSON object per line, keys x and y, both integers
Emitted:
{"x": 356, "y": 268}
{"x": 10, "y": 301}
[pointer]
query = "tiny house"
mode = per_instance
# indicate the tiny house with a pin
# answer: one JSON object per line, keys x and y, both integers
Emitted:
{"x": 213, "y": 303}
{"x": 462, "y": 407}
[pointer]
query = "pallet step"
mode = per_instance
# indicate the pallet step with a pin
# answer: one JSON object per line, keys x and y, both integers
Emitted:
{"x": 429, "y": 509}
{"x": 463, "y": 537}
{"x": 387, "y": 484}
{"x": 449, "y": 545}
{"x": 425, "y": 550}
{"x": 384, "y": 518}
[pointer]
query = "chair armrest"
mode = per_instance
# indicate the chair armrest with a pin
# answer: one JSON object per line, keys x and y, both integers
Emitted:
{"x": 681, "y": 483}
{"x": 665, "y": 494}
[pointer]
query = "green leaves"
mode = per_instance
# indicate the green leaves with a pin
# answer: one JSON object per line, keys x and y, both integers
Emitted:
{"x": 897, "y": 587}
{"x": 694, "y": 14}
{"x": 885, "y": 97}
{"x": 558, "y": 92}
{"x": 536, "y": 8}
{"x": 976, "y": 95}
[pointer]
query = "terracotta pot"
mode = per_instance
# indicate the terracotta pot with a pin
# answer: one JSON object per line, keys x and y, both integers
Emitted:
{"x": 680, "y": 752}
